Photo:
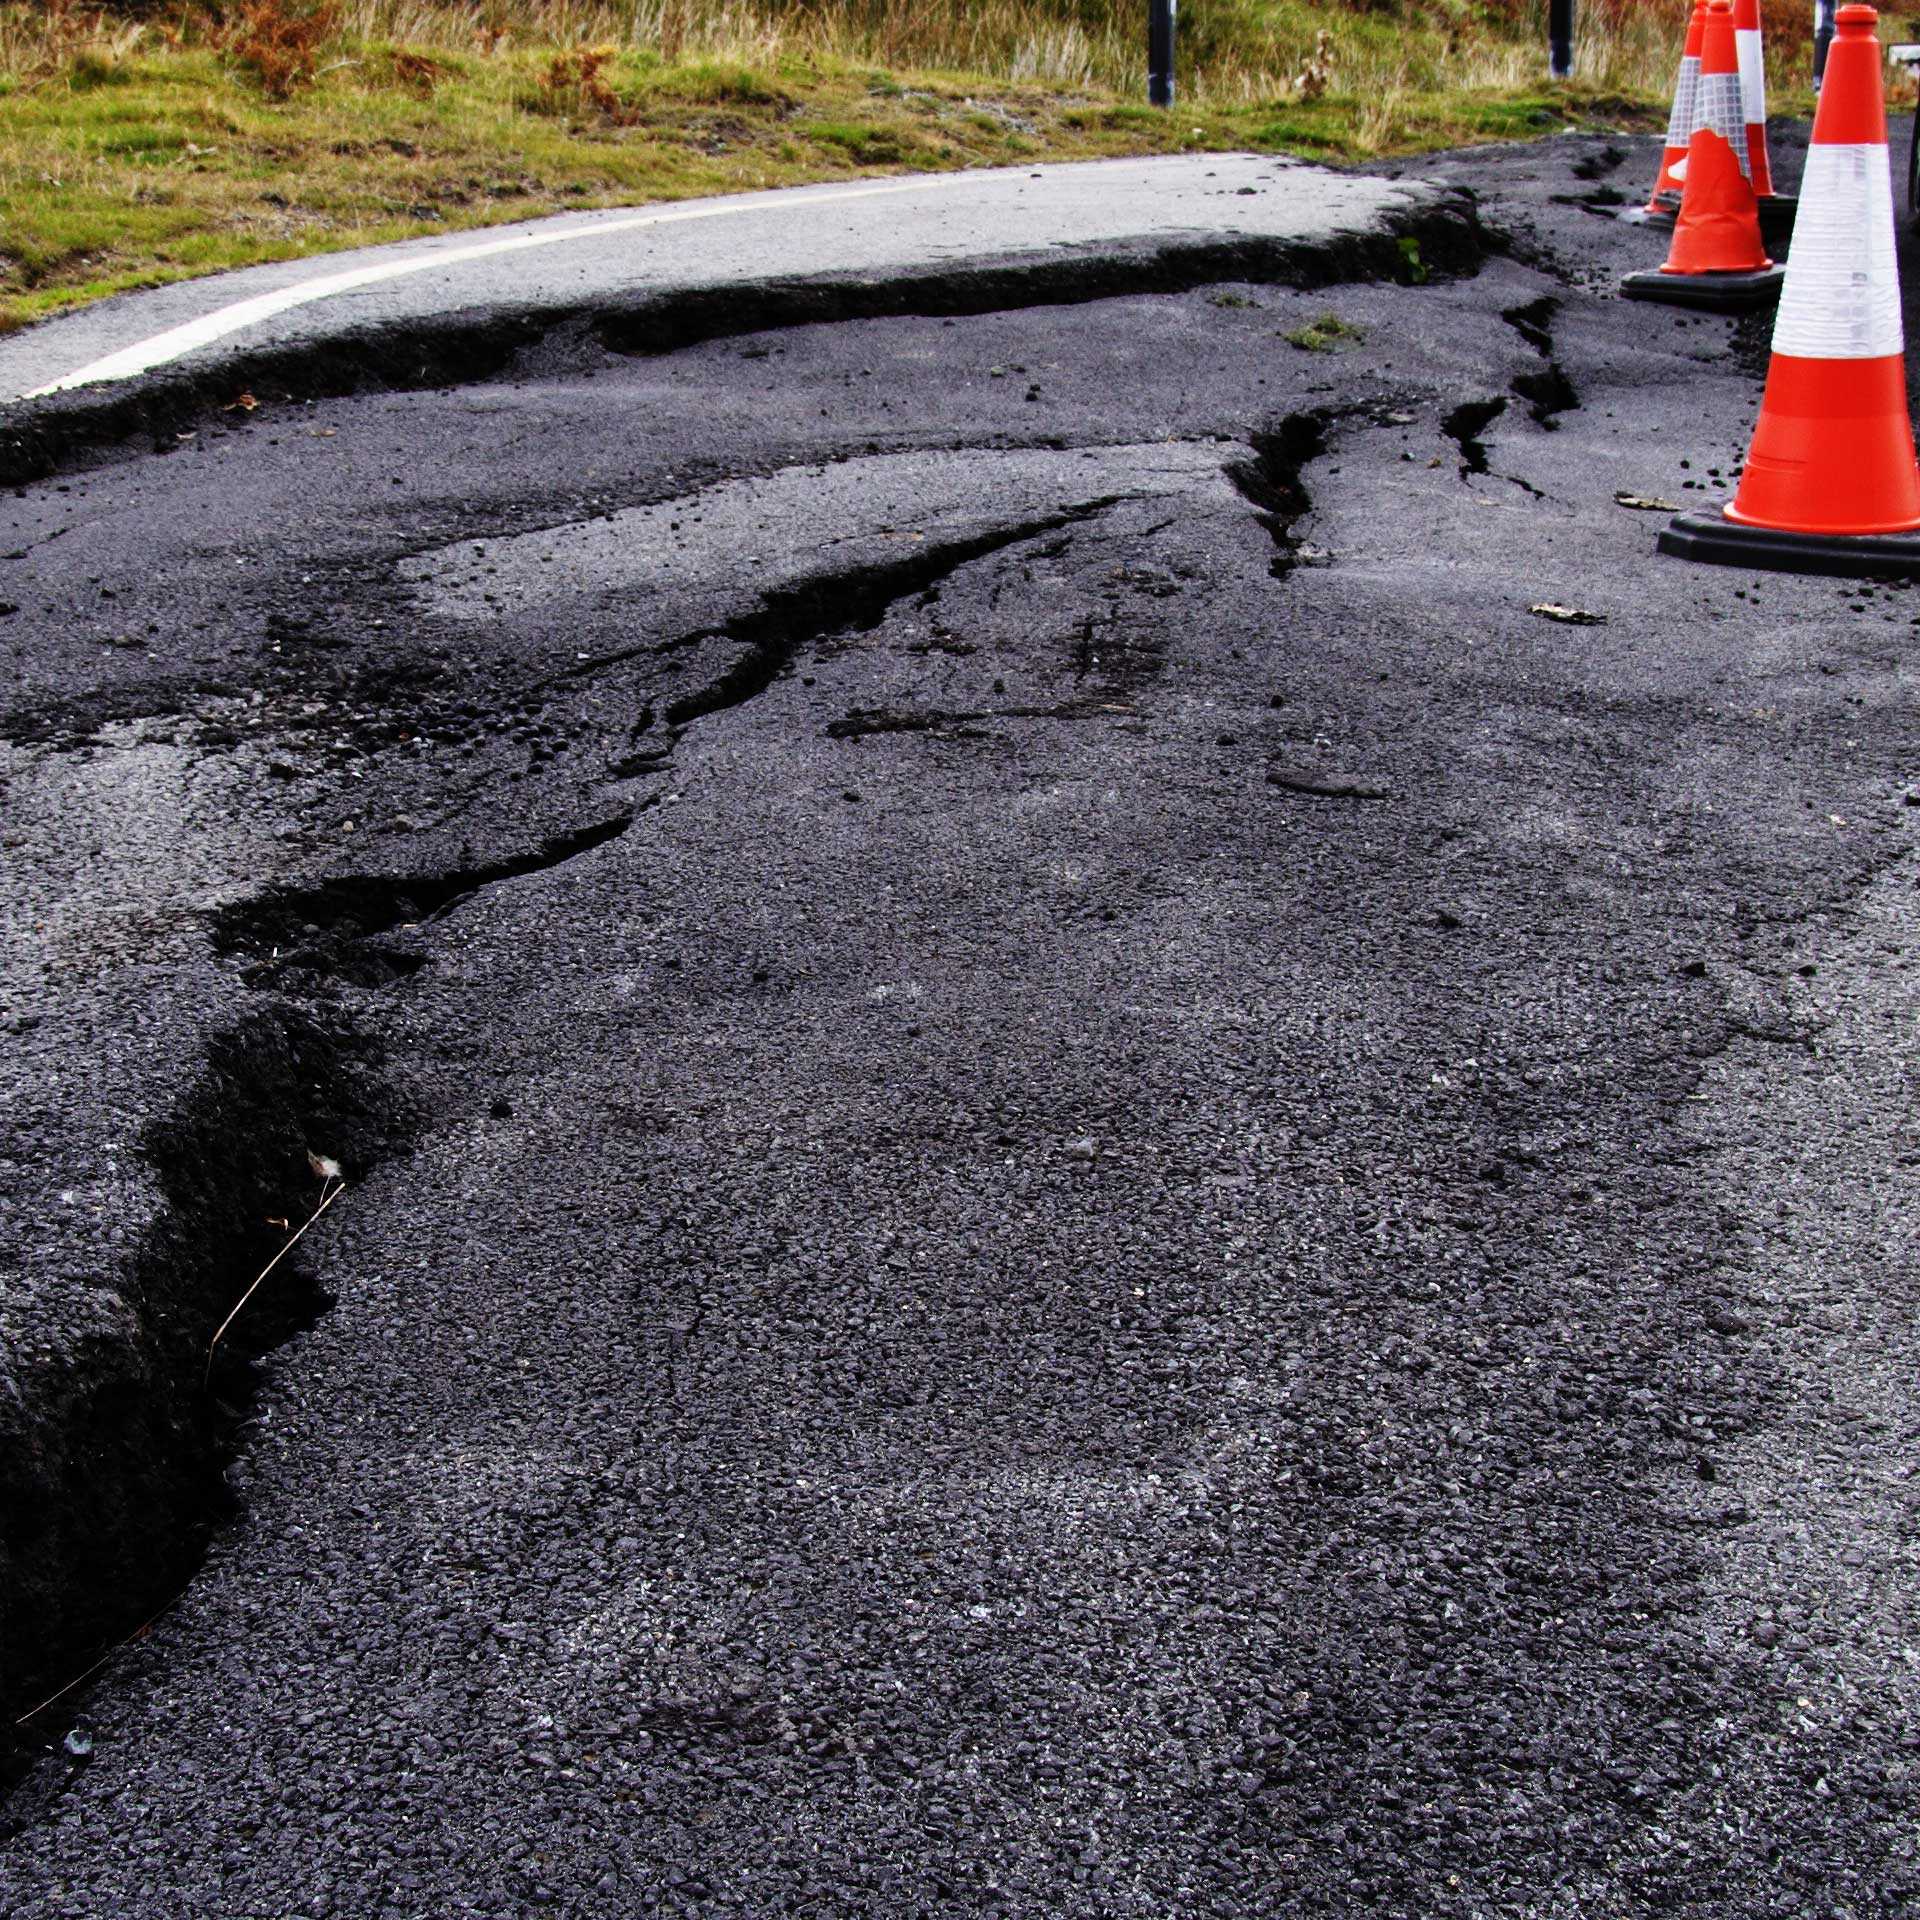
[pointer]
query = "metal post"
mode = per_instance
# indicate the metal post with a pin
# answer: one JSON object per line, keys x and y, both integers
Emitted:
{"x": 1823, "y": 11}
{"x": 1560, "y": 39}
{"x": 1160, "y": 52}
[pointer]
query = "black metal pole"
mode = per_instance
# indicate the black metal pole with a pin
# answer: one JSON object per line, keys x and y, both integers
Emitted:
{"x": 1560, "y": 39}
{"x": 1823, "y": 11}
{"x": 1160, "y": 52}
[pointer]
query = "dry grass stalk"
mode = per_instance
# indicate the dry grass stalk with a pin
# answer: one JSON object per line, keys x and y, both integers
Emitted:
{"x": 1234, "y": 51}
{"x": 140, "y": 1632}
{"x": 331, "y": 1188}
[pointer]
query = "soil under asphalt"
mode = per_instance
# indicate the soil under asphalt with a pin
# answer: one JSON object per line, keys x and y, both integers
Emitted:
{"x": 1079, "y": 1180}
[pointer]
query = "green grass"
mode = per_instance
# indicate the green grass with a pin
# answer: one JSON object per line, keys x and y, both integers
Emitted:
{"x": 1326, "y": 333}
{"x": 131, "y": 155}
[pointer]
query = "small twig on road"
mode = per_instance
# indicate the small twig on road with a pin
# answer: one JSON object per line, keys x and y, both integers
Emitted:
{"x": 331, "y": 1188}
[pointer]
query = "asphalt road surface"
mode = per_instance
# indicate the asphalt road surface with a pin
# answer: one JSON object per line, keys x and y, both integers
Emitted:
{"x": 1077, "y": 1179}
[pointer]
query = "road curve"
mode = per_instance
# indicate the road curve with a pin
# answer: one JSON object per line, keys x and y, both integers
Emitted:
{"x": 927, "y": 228}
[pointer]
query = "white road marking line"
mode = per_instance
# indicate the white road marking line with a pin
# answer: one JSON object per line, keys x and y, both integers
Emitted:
{"x": 183, "y": 339}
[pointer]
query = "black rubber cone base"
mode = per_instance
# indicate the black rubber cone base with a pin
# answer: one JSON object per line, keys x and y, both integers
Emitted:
{"x": 1777, "y": 211}
{"x": 1712, "y": 537}
{"x": 1713, "y": 292}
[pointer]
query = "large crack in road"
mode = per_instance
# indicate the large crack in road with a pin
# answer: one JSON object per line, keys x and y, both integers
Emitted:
{"x": 1057, "y": 1141}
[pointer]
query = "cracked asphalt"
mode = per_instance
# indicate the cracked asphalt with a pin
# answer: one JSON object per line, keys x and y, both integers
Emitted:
{"x": 1079, "y": 1180}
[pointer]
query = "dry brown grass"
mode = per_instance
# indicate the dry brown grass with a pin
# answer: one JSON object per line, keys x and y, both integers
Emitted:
{"x": 1232, "y": 51}
{"x": 278, "y": 42}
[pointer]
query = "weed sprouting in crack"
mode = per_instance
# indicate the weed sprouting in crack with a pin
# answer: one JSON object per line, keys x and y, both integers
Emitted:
{"x": 1270, "y": 482}
{"x": 1464, "y": 425}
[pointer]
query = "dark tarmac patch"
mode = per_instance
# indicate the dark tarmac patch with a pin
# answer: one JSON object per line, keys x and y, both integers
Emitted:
{"x": 863, "y": 723}
{"x": 72, "y": 721}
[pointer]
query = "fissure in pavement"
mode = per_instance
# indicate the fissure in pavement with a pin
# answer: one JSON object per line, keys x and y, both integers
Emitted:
{"x": 110, "y": 1504}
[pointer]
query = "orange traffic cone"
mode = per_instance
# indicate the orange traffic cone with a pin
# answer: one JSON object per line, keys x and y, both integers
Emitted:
{"x": 1664, "y": 202}
{"x": 1776, "y": 209}
{"x": 1753, "y": 91}
{"x": 1717, "y": 259}
{"x": 1830, "y": 484}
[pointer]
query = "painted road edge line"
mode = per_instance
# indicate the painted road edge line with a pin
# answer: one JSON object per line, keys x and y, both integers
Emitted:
{"x": 175, "y": 342}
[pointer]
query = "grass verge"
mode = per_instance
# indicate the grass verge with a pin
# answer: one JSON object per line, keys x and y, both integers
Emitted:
{"x": 177, "y": 137}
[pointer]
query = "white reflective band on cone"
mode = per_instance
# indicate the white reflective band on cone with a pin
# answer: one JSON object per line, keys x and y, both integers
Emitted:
{"x": 1753, "y": 72}
{"x": 1841, "y": 299}
{"x": 1720, "y": 111}
{"x": 1680, "y": 121}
